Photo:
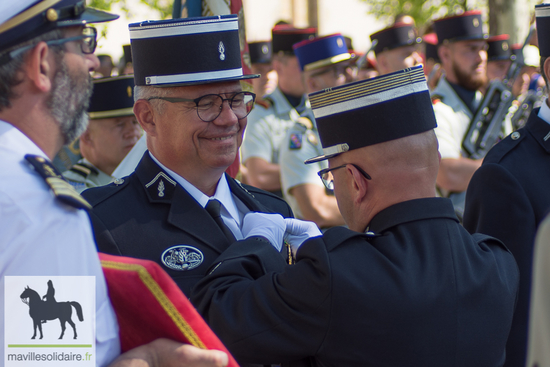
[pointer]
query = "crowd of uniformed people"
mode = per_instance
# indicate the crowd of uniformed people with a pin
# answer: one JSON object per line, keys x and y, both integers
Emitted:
{"x": 329, "y": 207}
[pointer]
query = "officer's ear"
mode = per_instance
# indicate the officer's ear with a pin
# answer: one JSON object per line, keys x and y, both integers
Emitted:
{"x": 39, "y": 67}
{"x": 546, "y": 67}
{"x": 359, "y": 184}
{"x": 145, "y": 114}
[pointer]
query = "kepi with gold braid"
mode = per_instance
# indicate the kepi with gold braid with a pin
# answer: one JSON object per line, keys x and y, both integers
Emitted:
{"x": 322, "y": 51}
{"x": 149, "y": 305}
{"x": 372, "y": 111}
{"x": 23, "y": 20}
{"x": 112, "y": 97}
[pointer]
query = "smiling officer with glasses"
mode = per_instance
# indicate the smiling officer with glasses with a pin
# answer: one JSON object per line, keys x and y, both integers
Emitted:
{"x": 405, "y": 285}
{"x": 179, "y": 208}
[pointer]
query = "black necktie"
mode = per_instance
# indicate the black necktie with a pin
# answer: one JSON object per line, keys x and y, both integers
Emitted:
{"x": 213, "y": 208}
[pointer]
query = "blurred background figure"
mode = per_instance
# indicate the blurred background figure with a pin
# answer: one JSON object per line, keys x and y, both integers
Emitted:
{"x": 499, "y": 56}
{"x": 326, "y": 63}
{"x": 112, "y": 131}
{"x": 276, "y": 113}
{"x": 125, "y": 65}
{"x": 260, "y": 63}
{"x": 396, "y": 48}
{"x": 366, "y": 67}
{"x": 432, "y": 63}
{"x": 106, "y": 66}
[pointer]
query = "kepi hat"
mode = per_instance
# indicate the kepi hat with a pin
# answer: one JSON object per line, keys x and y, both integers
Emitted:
{"x": 189, "y": 51}
{"x": 23, "y": 20}
{"x": 430, "y": 43}
{"x": 499, "y": 48}
{"x": 284, "y": 36}
{"x": 322, "y": 51}
{"x": 260, "y": 52}
{"x": 542, "y": 14}
{"x": 398, "y": 35}
{"x": 112, "y": 97}
{"x": 461, "y": 27}
{"x": 372, "y": 111}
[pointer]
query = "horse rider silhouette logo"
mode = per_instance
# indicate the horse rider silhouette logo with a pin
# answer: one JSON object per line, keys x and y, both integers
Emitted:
{"x": 41, "y": 310}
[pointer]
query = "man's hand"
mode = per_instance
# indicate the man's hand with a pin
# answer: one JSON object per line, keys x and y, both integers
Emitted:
{"x": 270, "y": 226}
{"x": 297, "y": 231}
{"x": 168, "y": 353}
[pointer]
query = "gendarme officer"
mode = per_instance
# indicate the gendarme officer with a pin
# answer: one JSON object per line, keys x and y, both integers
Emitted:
{"x": 462, "y": 50}
{"x": 112, "y": 131}
{"x": 179, "y": 208}
{"x": 405, "y": 285}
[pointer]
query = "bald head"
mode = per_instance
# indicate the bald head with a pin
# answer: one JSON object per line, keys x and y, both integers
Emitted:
{"x": 411, "y": 155}
{"x": 401, "y": 170}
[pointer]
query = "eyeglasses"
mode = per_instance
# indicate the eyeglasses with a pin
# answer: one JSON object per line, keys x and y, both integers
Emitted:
{"x": 328, "y": 179}
{"x": 87, "y": 46}
{"x": 338, "y": 71}
{"x": 210, "y": 106}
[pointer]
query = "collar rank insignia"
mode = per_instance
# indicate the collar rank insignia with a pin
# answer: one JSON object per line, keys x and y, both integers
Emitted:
{"x": 60, "y": 188}
{"x": 161, "y": 187}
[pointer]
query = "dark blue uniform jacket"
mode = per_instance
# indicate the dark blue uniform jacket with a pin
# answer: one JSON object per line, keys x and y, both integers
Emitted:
{"x": 417, "y": 291}
{"x": 149, "y": 213}
{"x": 508, "y": 196}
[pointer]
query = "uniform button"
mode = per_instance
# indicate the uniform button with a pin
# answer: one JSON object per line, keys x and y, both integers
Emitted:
{"x": 515, "y": 135}
{"x": 118, "y": 181}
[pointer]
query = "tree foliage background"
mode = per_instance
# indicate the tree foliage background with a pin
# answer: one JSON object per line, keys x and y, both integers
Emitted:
{"x": 423, "y": 11}
{"x": 164, "y": 7}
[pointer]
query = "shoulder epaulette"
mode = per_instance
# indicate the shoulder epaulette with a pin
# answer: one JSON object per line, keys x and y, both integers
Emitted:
{"x": 96, "y": 195}
{"x": 304, "y": 121}
{"x": 83, "y": 169}
{"x": 61, "y": 188}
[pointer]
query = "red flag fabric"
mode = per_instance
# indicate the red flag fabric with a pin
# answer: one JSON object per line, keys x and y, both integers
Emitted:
{"x": 149, "y": 305}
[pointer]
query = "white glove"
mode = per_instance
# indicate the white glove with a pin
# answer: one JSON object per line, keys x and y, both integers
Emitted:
{"x": 297, "y": 231}
{"x": 270, "y": 226}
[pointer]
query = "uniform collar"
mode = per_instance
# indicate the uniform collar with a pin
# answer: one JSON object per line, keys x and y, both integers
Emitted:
{"x": 281, "y": 104}
{"x": 544, "y": 112}
{"x": 539, "y": 129}
{"x": 451, "y": 98}
{"x": 222, "y": 194}
{"x": 410, "y": 211}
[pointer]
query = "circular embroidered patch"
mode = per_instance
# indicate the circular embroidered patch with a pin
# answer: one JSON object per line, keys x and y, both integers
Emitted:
{"x": 182, "y": 257}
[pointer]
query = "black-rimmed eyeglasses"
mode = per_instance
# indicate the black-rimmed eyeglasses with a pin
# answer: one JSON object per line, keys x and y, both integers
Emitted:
{"x": 328, "y": 179}
{"x": 87, "y": 46}
{"x": 210, "y": 106}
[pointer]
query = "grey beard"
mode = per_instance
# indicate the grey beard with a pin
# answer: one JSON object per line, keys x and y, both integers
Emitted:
{"x": 68, "y": 102}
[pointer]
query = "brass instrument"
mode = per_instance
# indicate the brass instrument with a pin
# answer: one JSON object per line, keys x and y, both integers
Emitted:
{"x": 526, "y": 103}
{"x": 486, "y": 125}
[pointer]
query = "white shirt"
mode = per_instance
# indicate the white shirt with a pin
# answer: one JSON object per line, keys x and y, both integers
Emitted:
{"x": 41, "y": 236}
{"x": 233, "y": 209}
